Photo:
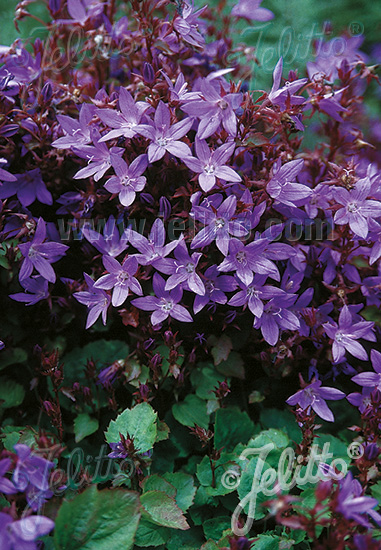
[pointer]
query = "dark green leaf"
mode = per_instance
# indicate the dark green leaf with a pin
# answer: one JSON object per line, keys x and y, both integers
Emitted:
{"x": 163, "y": 510}
{"x": 139, "y": 423}
{"x": 192, "y": 411}
{"x": 98, "y": 520}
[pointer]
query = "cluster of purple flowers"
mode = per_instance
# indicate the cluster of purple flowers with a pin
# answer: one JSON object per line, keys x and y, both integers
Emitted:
{"x": 168, "y": 135}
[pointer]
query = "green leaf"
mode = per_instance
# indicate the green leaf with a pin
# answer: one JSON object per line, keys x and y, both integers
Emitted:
{"x": 17, "y": 434}
{"x": 158, "y": 483}
{"x": 232, "y": 427}
{"x": 376, "y": 491}
{"x": 267, "y": 542}
{"x": 233, "y": 366}
{"x": 226, "y": 474}
{"x": 222, "y": 349}
{"x": 103, "y": 352}
{"x": 204, "y": 380}
{"x": 279, "y": 439}
{"x": 11, "y": 393}
{"x": 283, "y": 420}
{"x": 163, "y": 510}
{"x": 184, "y": 483}
{"x": 185, "y": 540}
{"x": 214, "y": 527}
{"x": 149, "y": 534}
{"x": 139, "y": 423}
{"x": 98, "y": 520}
{"x": 84, "y": 425}
{"x": 248, "y": 490}
{"x": 11, "y": 357}
{"x": 162, "y": 431}
{"x": 209, "y": 545}
{"x": 190, "y": 412}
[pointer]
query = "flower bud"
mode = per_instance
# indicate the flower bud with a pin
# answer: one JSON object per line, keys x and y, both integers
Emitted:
{"x": 148, "y": 73}
{"x": 165, "y": 208}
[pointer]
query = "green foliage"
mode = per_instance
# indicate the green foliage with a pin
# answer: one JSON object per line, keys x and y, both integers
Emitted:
{"x": 139, "y": 423}
{"x": 84, "y": 425}
{"x": 232, "y": 426}
{"x": 11, "y": 393}
{"x": 98, "y": 520}
{"x": 192, "y": 411}
{"x": 162, "y": 510}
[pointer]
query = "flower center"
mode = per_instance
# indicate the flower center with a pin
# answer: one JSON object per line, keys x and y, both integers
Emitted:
{"x": 209, "y": 169}
{"x": 352, "y": 207}
{"x": 222, "y": 104}
{"x": 123, "y": 276}
{"x": 125, "y": 181}
{"x": 241, "y": 257}
{"x": 162, "y": 142}
{"x": 209, "y": 285}
{"x": 338, "y": 337}
{"x": 166, "y": 305}
{"x": 252, "y": 291}
{"x": 189, "y": 268}
{"x": 220, "y": 223}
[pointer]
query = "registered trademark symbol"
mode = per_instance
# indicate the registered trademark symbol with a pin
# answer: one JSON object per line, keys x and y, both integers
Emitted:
{"x": 355, "y": 450}
{"x": 356, "y": 28}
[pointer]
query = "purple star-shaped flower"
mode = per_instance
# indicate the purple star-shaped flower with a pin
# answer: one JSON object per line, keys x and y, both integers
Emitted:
{"x": 211, "y": 164}
{"x": 314, "y": 396}
{"x": 250, "y": 9}
{"x": 371, "y": 379}
{"x": 178, "y": 90}
{"x": 276, "y": 316}
{"x": 31, "y": 475}
{"x": 164, "y": 304}
{"x": 110, "y": 242}
{"x": 4, "y": 174}
{"x": 39, "y": 254}
{"x": 29, "y": 187}
{"x": 361, "y": 400}
{"x": 36, "y": 289}
{"x": 249, "y": 259}
{"x": 153, "y": 248}
{"x": 186, "y": 24}
{"x": 81, "y": 10}
{"x": 182, "y": 270}
{"x": 214, "y": 109}
{"x": 374, "y": 238}
{"x": 128, "y": 179}
{"x": 351, "y": 502}
{"x": 281, "y": 186}
{"x": 120, "y": 278}
{"x": 215, "y": 287}
{"x": 96, "y": 299}
{"x": 357, "y": 209}
{"x": 279, "y": 96}
{"x": 346, "y": 333}
{"x": 164, "y": 136}
{"x": 219, "y": 225}
{"x": 98, "y": 157}
{"x": 23, "y": 534}
{"x": 125, "y": 121}
{"x": 78, "y": 131}
{"x": 328, "y": 103}
{"x": 255, "y": 294}
{"x": 6, "y": 485}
